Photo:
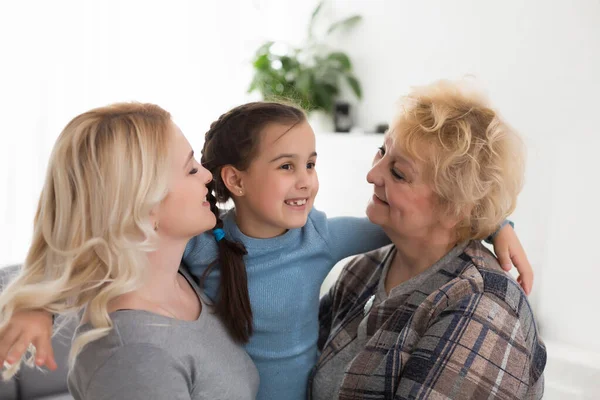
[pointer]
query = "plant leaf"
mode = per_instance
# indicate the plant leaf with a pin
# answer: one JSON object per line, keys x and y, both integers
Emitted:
{"x": 265, "y": 48}
{"x": 323, "y": 99}
{"x": 330, "y": 77}
{"x": 304, "y": 82}
{"x": 355, "y": 85}
{"x": 262, "y": 63}
{"x": 342, "y": 59}
{"x": 344, "y": 23}
{"x": 313, "y": 18}
{"x": 289, "y": 63}
{"x": 253, "y": 85}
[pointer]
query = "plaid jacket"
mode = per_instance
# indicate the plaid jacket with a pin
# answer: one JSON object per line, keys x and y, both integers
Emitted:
{"x": 467, "y": 333}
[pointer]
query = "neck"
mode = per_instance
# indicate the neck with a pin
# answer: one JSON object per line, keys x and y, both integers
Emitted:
{"x": 251, "y": 225}
{"x": 415, "y": 254}
{"x": 161, "y": 282}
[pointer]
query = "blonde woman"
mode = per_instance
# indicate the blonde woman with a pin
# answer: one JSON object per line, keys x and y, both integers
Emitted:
{"x": 122, "y": 197}
{"x": 433, "y": 315}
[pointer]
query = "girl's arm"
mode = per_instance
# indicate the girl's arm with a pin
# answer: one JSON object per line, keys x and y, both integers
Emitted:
{"x": 200, "y": 251}
{"x": 348, "y": 236}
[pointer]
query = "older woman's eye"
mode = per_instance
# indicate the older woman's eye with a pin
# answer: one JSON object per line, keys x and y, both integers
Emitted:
{"x": 381, "y": 150}
{"x": 397, "y": 175}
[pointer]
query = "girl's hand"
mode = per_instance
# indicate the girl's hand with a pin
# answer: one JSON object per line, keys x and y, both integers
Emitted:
{"x": 25, "y": 327}
{"x": 510, "y": 252}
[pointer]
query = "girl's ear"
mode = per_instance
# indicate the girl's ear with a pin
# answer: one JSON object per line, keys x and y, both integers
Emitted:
{"x": 232, "y": 178}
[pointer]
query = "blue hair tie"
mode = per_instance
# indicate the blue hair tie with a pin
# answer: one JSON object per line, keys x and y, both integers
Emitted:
{"x": 219, "y": 234}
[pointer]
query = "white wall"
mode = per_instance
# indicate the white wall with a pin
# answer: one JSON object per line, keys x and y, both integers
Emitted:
{"x": 539, "y": 61}
{"x": 540, "y": 64}
{"x": 61, "y": 58}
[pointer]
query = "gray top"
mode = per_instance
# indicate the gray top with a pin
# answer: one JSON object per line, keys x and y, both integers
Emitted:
{"x": 149, "y": 356}
{"x": 328, "y": 379}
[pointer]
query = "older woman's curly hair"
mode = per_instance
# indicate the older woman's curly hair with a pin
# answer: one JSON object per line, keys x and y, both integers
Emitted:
{"x": 473, "y": 159}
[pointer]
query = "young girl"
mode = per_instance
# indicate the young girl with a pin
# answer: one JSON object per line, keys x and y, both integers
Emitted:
{"x": 262, "y": 156}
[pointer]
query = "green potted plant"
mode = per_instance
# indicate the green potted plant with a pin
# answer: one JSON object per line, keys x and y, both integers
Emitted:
{"x": 311, "y": 75}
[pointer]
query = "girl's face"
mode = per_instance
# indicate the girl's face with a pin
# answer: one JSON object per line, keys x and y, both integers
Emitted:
{"x": 280, "y": 185}
{"x": 185, "y": 212}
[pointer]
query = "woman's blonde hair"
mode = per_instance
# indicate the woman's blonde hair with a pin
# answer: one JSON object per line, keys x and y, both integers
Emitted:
{"x": 108, "y": 170}
{"x": 473, "y": 159}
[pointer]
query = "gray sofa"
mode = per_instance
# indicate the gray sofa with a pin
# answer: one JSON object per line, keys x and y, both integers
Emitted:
{"x": 35, "y": 384}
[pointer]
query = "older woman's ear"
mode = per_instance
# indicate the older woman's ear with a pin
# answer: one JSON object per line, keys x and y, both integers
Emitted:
{"x": 509, "y": 251}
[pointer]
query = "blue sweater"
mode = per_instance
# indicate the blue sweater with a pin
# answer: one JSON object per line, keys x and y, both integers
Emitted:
{"x": 285, "y": 274}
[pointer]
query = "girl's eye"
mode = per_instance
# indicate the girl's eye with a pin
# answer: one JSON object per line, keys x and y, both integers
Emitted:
{"x": 286, "y": 166}
{"x": 193, "y": 171}
{"x": 310, "y": 165}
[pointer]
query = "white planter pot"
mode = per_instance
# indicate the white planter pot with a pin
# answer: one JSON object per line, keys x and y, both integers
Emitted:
{"x": 320, "y": 121}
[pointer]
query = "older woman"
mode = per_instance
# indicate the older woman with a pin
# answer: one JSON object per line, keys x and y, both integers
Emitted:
{"x": 433, "y": 315}
{"x": 122, "y": 197}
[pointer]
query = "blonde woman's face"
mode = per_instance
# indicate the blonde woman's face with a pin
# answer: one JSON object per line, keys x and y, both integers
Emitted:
{"x": 402, "y": 202}
{"x": 185, "y": 212}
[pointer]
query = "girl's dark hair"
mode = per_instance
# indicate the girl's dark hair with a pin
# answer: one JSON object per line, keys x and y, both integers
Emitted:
{"x": 233, "y": 139}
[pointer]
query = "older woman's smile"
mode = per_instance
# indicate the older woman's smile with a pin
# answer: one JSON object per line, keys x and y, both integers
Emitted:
{"x": 379, "y": 200}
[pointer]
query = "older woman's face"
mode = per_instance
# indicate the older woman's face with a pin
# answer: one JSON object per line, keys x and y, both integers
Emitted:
{"x": 402, "y": 203}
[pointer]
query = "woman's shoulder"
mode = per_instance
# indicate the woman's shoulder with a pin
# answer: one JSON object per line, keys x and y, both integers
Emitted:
{"x": 127, "y": 366}
{"x": 483, "y": 282}
{"x": 374, "y": 259}
{"x": 130, "y": 327}
{"x": 366, "y": 268}
{"x": 491, "y": 279}
{"x": 480, "y": 303}
{"x": 134, "y": 333}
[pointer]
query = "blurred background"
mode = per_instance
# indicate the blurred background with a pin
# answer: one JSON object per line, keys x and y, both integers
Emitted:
{"x": 350, "y": 61}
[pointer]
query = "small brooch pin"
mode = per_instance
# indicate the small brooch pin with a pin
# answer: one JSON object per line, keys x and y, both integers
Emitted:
{"x": 369, "y": 304}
